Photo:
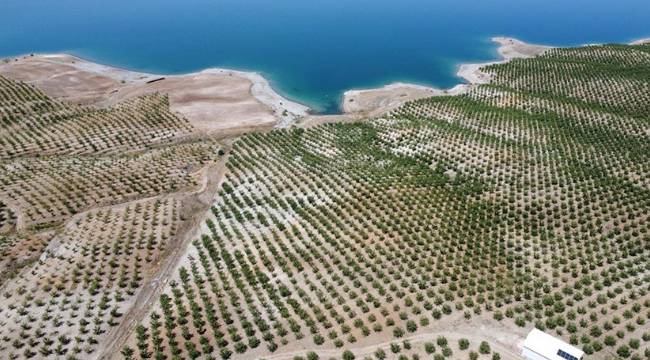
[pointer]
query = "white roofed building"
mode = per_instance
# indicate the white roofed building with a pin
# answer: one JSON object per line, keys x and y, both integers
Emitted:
{"x": 542, "y": 346}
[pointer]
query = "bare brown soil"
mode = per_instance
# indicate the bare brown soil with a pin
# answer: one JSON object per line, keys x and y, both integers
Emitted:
{"x": 215, "y": 101}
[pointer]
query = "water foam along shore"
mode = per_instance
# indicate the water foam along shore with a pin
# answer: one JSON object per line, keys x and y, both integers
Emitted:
{"x": 371, "y": 102}
{"x": 217, "y": 101}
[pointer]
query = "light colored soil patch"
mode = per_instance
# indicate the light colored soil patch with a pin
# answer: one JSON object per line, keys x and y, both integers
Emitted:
{"x": 505, "y": 339}
{"x": 640, "y": 42}
{"x": 315, "y": 120}
{"x": 374, "y": 101}
{"x": 509, "y": 49}
{"x": 59, "y": 77}
{"x": 214, "y": 100}
{"x": 211, "y": 101}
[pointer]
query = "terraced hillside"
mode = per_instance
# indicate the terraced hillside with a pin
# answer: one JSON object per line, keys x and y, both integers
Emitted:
{"x": 523, "y": 203}
{"x": 80, "y": 287}
{"x": 35, "y": 125}
{"x": 94, "y": 202}
{"x": 72, "y": 184}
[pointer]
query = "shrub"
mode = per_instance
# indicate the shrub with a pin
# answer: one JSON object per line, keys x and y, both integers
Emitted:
{"x": 498, "y": 315}
{"x": 610, "y": 340}
{"x": 348, "y": 355}
{"x": 597, "y": 346}
{"x": 441, "y": 341}
{"x": 463, "y": 344}
{"x": 319, "y": 339}
{"x": 411, "y": 326}
{"x": 225, "y": 353}
{"x": 446, "y": 351}
{"x": 484, "y": 348}
{"x": 127, "y": 352}
{"x": 623, "y": 351}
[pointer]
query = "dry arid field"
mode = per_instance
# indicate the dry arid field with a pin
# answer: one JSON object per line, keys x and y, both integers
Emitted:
{"x": 446, "y": 227}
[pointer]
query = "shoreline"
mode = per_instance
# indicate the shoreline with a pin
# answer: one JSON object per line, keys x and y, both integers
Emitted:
{"x": 354, "y": 102}
{"x": 641, "y": 41}
{"x": 261, "y": 85}
{"x": 508, "y": 49}
{"x": 215, "y": 101}
{"x": 196, "y": 88}
{"x": 373, "y": 101}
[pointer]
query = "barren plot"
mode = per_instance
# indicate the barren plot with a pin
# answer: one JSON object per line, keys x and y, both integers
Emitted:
{"x": 525, "y": 201}
{"x": 33, "y": 124}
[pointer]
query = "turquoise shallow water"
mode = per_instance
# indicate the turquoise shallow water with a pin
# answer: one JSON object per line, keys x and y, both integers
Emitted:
{"x": 311, "y": 51}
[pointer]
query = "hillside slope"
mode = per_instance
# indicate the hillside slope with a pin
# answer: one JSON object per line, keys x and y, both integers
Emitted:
{"x": 522, "y": 203}
{"x": 448, "y": 222}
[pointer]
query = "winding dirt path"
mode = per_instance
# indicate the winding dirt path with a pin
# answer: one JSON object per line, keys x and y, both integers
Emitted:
{"x": 507, "y": 351}
{"x": 197, "y": 205}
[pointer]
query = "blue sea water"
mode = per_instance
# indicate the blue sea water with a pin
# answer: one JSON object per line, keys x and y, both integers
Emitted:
{"x": 311, "y": 50}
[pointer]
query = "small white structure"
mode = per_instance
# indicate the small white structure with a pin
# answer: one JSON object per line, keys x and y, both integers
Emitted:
{"x": 542, "y": 346}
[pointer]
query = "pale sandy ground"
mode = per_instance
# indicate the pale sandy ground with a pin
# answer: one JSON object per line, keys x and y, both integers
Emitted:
{"x": 214, "y": 100}
{"x": 389, "y": 97}
{"x": 371, "y": 102}
{"x": 507, "y": 340}
{"x": 509, "y": 49}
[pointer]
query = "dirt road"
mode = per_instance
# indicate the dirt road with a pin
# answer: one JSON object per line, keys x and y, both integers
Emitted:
{"x": 507, "y": 351}
{"x": 197, "y": 205}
